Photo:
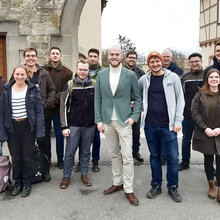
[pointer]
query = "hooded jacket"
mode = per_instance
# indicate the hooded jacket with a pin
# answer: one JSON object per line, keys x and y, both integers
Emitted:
{"x": 173, "y": 94}
{"x": 174, "y": 68}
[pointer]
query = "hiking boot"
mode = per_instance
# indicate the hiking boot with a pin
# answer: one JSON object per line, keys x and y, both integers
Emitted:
{"x": 77, "y": 168}
{"x": 212, "y": 191}
{"x": 95, "y": 167}
{"x": 154, "y": 191}
{"x": 16, "y": 191}
{"x": 85, "y": 180}
{"x": 47, "y": 177}
{"x": 138, "y": 157}
{"x": 26, "y": 191}
{"x": 183, "y": 166}
{"x": 174, "y": 194}
{"x": 65, "y": 182}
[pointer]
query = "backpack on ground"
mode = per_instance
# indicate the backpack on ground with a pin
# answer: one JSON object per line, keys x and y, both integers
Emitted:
{"x": 38, "y": 165}
{"x": 5, "y": 168}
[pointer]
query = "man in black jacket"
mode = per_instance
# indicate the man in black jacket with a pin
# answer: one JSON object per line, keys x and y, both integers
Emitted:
{"x": 190, "y": 83}
{"x": 77, "y": 120}
{"x": 216, "y": 60}
{"x": 130, "y": 63}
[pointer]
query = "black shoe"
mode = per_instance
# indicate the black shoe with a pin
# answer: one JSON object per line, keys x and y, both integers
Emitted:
{"x": 26, "y": 191}
{"x": 47, "y": 177}
{"x": 77, "y": 168}
{"x": 163, "y": 161}
{"x": 183, "y": 166}
{"x": 60, "y": 164}
{"x": 154, "y": 191}
{"x": 174, "y": 194}
{"x": 138, "y": 157}
{"x": 95, "y": 167}
{"x": 16, "y": 191}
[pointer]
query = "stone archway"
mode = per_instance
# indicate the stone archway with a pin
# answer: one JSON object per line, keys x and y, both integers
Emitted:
{"x": 70, "y": 25}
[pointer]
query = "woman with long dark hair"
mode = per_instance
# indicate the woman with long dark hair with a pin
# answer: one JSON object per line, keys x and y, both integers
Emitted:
{"x": 21, "y": 120}
{"x": 206, "y": 114}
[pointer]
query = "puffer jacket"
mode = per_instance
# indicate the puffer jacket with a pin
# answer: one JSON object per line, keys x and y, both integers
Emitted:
{"x": 199, "y": 110}
{"x": 34, "y": 110}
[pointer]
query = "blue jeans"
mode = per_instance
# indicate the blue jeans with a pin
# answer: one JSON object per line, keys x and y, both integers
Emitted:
{"x": 155, "y": 136}
{"x": 1, "y": 148}
{"x": 188, "y": 128}
{"x": 58, "y": 132}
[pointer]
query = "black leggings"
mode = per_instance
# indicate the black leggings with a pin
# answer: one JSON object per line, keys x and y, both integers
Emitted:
{"x": 209, "y": 169}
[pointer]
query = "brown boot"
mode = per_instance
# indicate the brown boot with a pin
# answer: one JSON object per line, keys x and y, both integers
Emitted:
{"x": 218, "y": 195}
{"x": 85, "y": 180}
{"x": 212, "y": 191}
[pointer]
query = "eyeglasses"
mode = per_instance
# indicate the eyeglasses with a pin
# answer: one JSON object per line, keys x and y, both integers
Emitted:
{"x": 28, "y": 55}
{"x": 132, "y": 58}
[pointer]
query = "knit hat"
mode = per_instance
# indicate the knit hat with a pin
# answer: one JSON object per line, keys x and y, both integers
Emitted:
{"x": 154, "y": 53}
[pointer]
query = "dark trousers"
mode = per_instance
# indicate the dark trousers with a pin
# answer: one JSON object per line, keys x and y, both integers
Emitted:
{"x": 188, "y": 128}
{"x": 209, "y": 169}
{"x": 49, "y": 118}
{"x": 136, "y": 136}
{"x": 21, "y": 144}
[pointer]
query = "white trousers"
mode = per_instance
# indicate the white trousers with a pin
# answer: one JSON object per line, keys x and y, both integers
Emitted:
{"x": 119, "y": 140}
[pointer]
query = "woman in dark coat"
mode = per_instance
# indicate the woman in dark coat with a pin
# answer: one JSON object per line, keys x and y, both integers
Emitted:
{"x": 206, "y": 139}
{"x": 21, "y": 121}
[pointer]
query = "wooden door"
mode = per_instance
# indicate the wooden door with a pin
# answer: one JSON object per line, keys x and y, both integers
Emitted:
{"x": 3, "y": 63}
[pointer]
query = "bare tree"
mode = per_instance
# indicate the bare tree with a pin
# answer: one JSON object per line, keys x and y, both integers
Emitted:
{"x": 126, "y": 44}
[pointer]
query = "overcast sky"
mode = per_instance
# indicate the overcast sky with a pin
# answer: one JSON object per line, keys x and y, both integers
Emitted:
{"x": 153, "y": 24}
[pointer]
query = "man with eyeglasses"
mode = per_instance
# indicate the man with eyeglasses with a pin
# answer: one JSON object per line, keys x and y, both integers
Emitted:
{"x": 131, "y": 63}
{"x": 38, "y": 75}
{"x": 191, "y": 81}
{"x": 77, "y": 120}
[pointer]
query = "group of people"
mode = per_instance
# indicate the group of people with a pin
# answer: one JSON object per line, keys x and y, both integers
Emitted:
{"x": 110, "y": 100}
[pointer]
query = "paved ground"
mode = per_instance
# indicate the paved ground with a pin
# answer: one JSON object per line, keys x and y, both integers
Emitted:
{"x": 48, "y": 201}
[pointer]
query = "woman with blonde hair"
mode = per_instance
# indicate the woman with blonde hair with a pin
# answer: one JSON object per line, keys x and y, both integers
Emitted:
{"x": 206, "y": 139}
{"x": 21, "y": 120}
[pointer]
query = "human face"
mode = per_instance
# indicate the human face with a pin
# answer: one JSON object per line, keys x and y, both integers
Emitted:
{"x": 93, "y": 58}
{"x": 217, "y": 53}
{"x": 30, "y": 58}
{"x": 20, "y": 76}
{"x": 155, "y": 65}
{"x": 55, "y": 56}
{"x": 131, "y": 60}
{"x": 82, "y": 71}
{"x": 167, "y": 59}
{"x": 115, "y": 56}
{"x": 214, "y": 80}
{"x": 195, "y": 63}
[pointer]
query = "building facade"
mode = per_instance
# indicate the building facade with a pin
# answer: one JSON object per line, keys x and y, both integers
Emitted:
{"x": 209, "y": 28}
{"x": 74, "y": 26}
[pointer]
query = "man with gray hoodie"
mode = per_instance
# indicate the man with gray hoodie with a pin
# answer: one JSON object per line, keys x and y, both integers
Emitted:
{"x": 163, "y": 104}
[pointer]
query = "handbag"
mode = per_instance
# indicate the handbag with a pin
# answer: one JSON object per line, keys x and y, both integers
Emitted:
{"x": 38, "y": 165}
{"x": 5, "y": 169}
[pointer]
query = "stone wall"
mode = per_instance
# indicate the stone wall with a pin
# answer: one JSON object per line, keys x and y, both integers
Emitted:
{"x": 37, "y": 20}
